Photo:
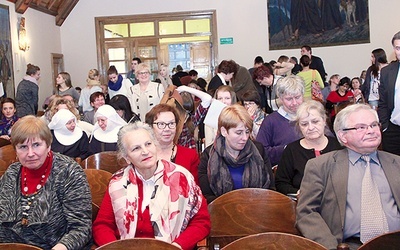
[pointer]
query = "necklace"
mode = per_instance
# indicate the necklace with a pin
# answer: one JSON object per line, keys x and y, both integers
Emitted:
{"x": 38, "y": 186}
{"x": 173, "y": 154}
{"x": 27, "y": 200}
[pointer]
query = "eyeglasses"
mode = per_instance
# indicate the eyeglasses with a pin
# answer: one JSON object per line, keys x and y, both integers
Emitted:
{"x": 163, "y": 125}
{"x": 246, "y": 104}
{"x": 143, "y": 73}
{"x": 363, "y": 127}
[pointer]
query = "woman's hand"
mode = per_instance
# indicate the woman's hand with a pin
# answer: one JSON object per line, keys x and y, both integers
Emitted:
{"x": 6, "y": 137}
{"x": 176, "y": 244}
{"x": 251, "y": 109}
{"x": 59, "y": 246}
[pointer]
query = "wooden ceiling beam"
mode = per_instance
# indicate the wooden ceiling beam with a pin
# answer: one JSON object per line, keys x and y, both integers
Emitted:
{"x": 22, "y": 5}
{"x": 64, "y": 10}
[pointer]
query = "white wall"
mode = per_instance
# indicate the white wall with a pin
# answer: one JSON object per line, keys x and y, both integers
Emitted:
{"x": 44, "y": 38}
{"x": 246, "y": 22}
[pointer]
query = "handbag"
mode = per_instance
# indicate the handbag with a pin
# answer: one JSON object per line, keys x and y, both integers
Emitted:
{"x": 316, "y": 93}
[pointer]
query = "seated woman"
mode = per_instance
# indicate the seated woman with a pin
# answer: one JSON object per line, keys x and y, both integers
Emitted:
{"x": 150, "y": 198}
{"x": 121, "y": 104}
{"x": 59, "y": 103}
{"x": 68, "y": 138}
{"x": 8, "y": 118}
{"x": 45, "y": 197}
{"x": 233, "y": 161}
{"x": 164, "y": 120}
{"x": 355, "y": 88}
{"x": 341, "y": 96}
{"x": 105, "y": 132}
{"x": 311, "y": 121}
{"x": 251, "y": 102}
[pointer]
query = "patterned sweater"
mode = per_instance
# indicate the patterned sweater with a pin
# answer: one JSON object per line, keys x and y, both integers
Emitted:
{"x": 60, "y": 211}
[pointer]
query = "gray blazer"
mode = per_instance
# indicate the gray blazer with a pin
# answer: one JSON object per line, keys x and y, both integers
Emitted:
{"x": 322, "y": 202}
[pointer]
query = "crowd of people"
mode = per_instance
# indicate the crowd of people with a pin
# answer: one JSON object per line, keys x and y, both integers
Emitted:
{"x": 275, "y": 126}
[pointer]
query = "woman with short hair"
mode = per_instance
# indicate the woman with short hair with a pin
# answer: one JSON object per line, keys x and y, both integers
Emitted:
{"x": 164, "y": 120}
{"x": 150, "y": 198}
{"x": 45, "y": 197}
{"x": 233, "y": 161}
{"x": 311, "y": 122}
{"x": 146, "y": 94}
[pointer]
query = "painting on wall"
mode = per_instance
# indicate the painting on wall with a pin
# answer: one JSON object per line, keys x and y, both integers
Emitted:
{"x": 6, "y": 63}
{"x": 317, "y": 23}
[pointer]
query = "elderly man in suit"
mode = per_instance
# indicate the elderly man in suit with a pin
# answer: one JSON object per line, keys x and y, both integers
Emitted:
{"x": 351, "y": 195}
{"x": 389, "y": 101}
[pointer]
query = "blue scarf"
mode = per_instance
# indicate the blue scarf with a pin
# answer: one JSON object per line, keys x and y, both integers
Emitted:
{"x": 5, "y": 125}
{"x": 115, "y": 86}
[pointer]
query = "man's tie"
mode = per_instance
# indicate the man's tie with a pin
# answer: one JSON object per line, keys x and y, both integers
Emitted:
{"x": 373, "y": 218}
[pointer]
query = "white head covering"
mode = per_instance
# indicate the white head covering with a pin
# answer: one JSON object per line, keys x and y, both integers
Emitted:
{"x": 114, "y": 123}
{"x": 58, "y": 124}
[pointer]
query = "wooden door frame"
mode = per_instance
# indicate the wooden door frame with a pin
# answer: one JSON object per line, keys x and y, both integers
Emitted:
{"x": 101, "y": 21}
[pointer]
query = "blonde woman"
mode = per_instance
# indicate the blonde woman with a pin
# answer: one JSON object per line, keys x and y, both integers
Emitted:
{"x": 163, "y": 77}
{"x": 92, "y": 85}
{"x": 146, "y": 94}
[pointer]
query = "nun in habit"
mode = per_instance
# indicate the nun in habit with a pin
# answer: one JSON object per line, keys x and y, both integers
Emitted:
{"x": 68, "y": 138}
{"x": 105, "y": 131}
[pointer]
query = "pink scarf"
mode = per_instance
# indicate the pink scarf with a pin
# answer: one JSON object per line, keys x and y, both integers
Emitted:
{"x": 176, "y": 200}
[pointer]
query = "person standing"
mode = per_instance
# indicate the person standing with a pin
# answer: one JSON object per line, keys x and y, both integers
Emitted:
{"x": 370, "y": 89}
{"x": 351, "y": 195}
{"x": 27, "y": 96}
{"x": 131, "y": 73}
{"x": 316, "y": 62}
{"x": 389, "y": 101}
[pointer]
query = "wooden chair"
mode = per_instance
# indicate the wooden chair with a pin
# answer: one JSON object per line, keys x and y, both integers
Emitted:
{"x": 95, "y": 211}
{"x": 249, "y": 211}
{"x": 3, "y": 167}
{"x": 17, "y": 246}
{"x": 107, "y": 161}
{"x": 98, "y": 182}
{"x": 273, "y": 241}
{"x": 138, "y": 244}
{"x": 8, "y": 154}
{"x": 389, "y": 241}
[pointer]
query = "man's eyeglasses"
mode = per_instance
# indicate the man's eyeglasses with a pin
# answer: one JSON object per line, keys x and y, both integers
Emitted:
{"x": 363, "y": 127}
{"x": 163, "y": 125}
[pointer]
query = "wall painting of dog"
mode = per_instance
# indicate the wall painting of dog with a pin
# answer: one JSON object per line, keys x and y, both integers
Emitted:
{"x": 318, "y": 23}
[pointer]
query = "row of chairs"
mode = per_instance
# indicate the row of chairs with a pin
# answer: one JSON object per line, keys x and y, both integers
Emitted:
{"x": 271, "y": 241}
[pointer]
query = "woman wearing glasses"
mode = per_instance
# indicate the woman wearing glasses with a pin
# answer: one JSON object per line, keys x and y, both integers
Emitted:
{"x": 164, "y": 119}
{"x": 311, "y": 122}
{"x": 146, "y": 94}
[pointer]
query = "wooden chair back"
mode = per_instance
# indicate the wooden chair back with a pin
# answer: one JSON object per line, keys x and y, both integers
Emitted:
{"x": 250, "y": 211}
{"x": 98, "y": 182}
{"x": 17, "y": 246}
{"x": 138, "y": 244}
{"x": 3, "y": 167}
{"x": 8, "y": 154}
{"x": 388, "y": 241}
{"x": 95, "y": 211}
{"x": 106, "y": 160}
{"x": 273, "y": 241}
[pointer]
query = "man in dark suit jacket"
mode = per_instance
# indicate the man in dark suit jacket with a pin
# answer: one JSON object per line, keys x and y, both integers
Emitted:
{"x": 316, "y": 62}
{"x": 329, "y": 205}
{"x": 389, "y": 102}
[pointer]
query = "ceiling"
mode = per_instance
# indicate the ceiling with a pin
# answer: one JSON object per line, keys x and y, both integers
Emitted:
{"x": 58, "y": 8}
